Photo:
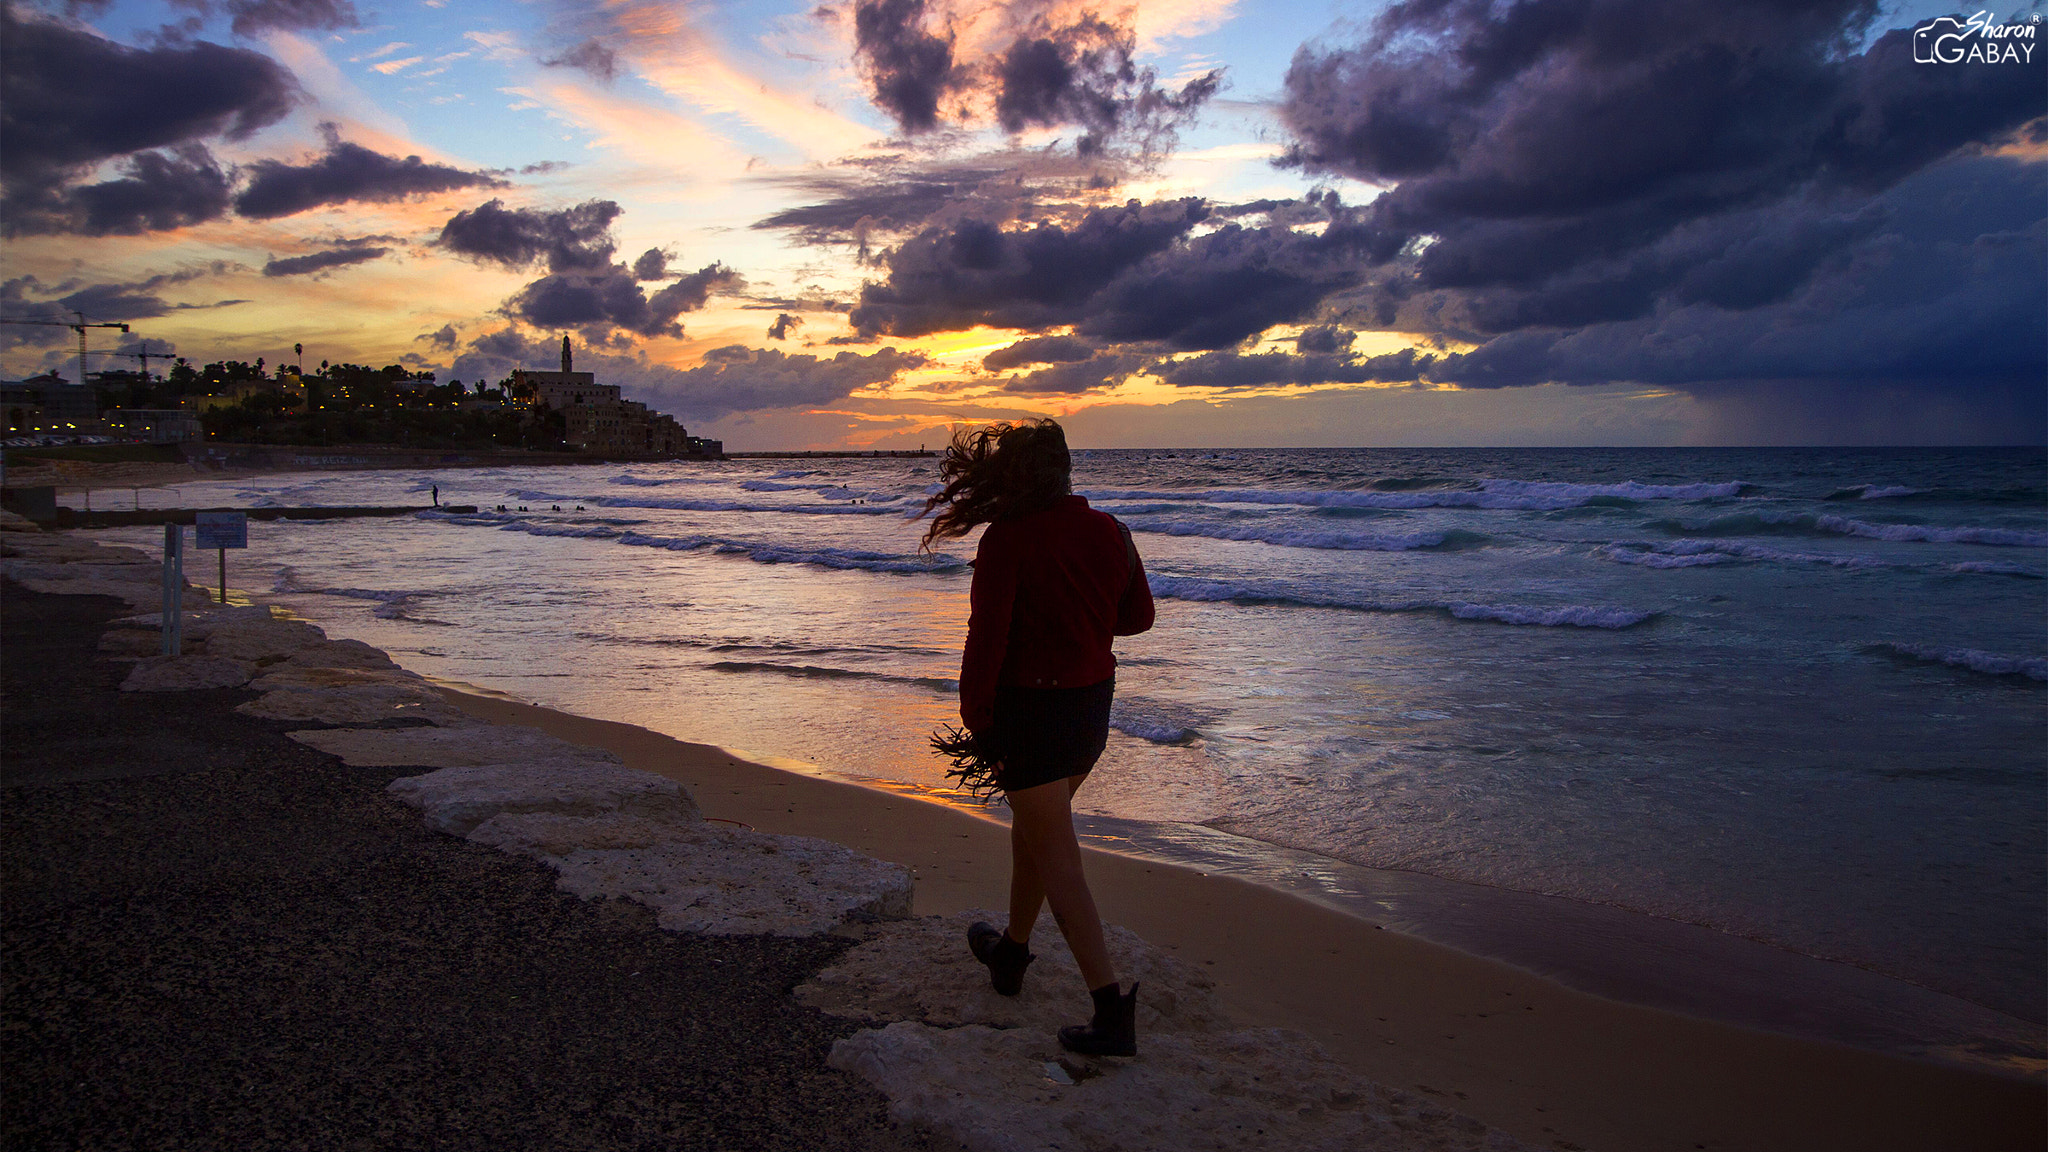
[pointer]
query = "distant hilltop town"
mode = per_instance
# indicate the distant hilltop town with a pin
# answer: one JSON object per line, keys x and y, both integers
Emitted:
{"x": 234, "y": 402}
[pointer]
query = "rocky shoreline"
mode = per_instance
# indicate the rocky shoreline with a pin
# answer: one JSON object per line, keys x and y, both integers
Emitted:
{"x": 906, "y": 1011}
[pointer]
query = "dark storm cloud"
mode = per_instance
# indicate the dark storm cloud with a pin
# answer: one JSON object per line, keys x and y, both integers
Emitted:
{"x": 876, "y": 199}
{"x": 442, "y": 337}
{"x": 322, "y": 261}
{"x": 591, "y": 57}
{"x": 740, "y": 379}
{"x": 783, "y": 326}
{"x": 1582, "y": 162}
{"x": 1231, "y": 370}
{"x": 1049, "y": 75}
{"x": 156, "y": 192}
{"x": 584, "y": 288}
{"x": 856, "y": 208}
{"x": 613, "y": 298}
{"x": 1038, "y": 350}
{"x": 1716, "y": 196}
{"x": 1076, "y": 377}
{"x": 114, "y": 302}
{"x": 1324, "y": 338}
{"x": 1084, "y": 74}
{"x": 1950, "y": 293}
{"x": 908, "y": 69}
{"x": 570, "y": 239}
{"x": 345, "y": 172}
{"x": 973, "y": 272}
{"x": 651, "y": 265}
{"x": 26, "y": 297}
{"x": 1225, "y": 286}
{"x": 70, "y": 100}
{"x": 1140, "y": 273}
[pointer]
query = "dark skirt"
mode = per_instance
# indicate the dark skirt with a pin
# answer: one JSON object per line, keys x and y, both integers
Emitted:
{"x": 1047, "y": 734}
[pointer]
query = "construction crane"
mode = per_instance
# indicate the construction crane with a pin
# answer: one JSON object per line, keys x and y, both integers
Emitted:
{"x": 79, "y": 326}
{"x": 142, "y": 354}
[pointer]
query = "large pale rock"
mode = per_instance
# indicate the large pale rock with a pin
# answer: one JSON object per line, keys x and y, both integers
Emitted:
{"x": 96, "y": 569}
{"x": 198, "y": 621}
{"x": 708, "y": 879}
{"x": 59, "y": 547}
{"x": 281, "y": 676}
{"x": 921, "y": 970}
{"x": 261, "y": 641}
{"x": 456, "y": 800}
{"x": 137, "y": 594}
{"x": 1258, "y": 1089}
{"x": 449, "y": 747}
{"x": 359, "y": 704}
{"x": 340, "y": 654}
{"x": 186, "y": 673}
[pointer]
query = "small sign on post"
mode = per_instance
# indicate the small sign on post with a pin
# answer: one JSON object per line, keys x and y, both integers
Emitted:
{"x": 222, "y": 530}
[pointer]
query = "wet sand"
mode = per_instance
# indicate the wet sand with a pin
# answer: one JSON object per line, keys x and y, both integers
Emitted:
{"x": 1553, "y": 1066}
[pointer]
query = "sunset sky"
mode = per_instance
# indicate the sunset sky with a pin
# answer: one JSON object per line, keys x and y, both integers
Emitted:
{"x": 1178, "y": 223}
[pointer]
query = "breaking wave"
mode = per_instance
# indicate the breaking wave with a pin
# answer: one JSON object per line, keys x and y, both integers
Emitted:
{"x": 1305, "y": 538}
{"x": 1974, "y": 659}
{"x": 1523, "y": 495}
{"x": 764, "y": 553}
{"x": 817, "y": 672}
{"x": 391, "y": 605}
{"x": 1797, "y": 523}
{"x": 1265, "y": 593}
{"x": 1702, "y": 553}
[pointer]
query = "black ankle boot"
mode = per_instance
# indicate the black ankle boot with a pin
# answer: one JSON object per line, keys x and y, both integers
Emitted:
{"x": 1006, "y": 959}
{"x": 1113, "y": 1031}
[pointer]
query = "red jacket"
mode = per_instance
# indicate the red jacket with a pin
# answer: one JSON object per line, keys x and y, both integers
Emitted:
{"x": 1050, "y": 589}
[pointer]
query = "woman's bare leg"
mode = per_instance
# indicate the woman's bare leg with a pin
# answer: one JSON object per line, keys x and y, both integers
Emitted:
{"x": 1042, "y": 833}
{"x": 1027, "y": 892}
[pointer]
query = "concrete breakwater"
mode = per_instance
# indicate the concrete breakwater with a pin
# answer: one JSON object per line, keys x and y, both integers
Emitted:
{"x": 74, "y": 518}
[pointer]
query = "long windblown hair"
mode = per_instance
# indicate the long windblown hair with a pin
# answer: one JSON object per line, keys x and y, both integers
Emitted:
{"x": 999, "y": 472}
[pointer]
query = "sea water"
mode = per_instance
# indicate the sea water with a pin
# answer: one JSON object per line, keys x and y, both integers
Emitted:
{"x": 1792, "y": 695}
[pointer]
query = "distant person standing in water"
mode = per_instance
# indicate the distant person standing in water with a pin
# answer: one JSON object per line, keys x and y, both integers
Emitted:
{"x": 1054, "y": 580}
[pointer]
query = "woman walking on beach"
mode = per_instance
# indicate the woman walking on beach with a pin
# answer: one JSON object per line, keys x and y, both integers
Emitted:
{"x": 1054, "y": 580}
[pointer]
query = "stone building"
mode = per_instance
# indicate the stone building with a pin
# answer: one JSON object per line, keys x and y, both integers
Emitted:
{"x": 597, "y": 419}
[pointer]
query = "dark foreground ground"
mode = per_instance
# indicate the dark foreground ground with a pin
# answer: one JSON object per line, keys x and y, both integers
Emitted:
{"x": 214, "y": 937}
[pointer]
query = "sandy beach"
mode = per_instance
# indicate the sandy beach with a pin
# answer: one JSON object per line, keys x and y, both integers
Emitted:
{"x": 1555, "y": 1067}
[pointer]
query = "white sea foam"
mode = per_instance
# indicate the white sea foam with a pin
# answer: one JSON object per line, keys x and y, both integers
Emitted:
{"x": 1644, "y": 558}
{"x": 1998, "y": 568}
{"x": 822, "y": 672}
{"x": 631, "y": 481}
{"x": 1158, "y": 721}
{"x": 1513, "y": 495}
{"x": 1703, "y": 553}
{"x": 1263, "y": 592}
{"x": 2000, "y": 537}
{"x": 1294, "y": 537}
{"x": 1976, "y": 660}
{"x": 766, "y": 553}
{"x": 392, "y": 604}
{"x": 1573, "y": 615}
